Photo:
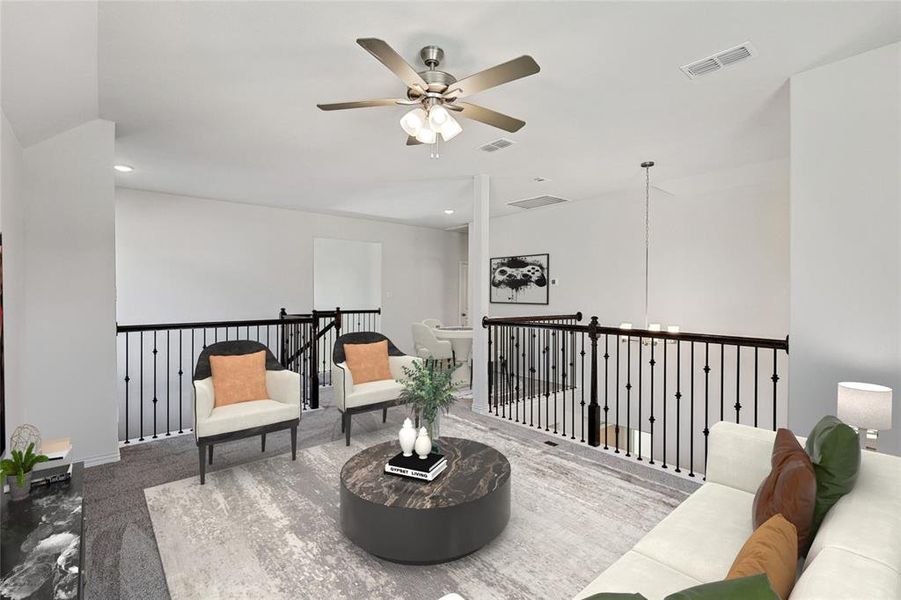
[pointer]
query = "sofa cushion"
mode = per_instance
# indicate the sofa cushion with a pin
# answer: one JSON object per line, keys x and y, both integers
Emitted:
{"x": 702, "y": 536}
{"x": 373, "y": 392}
{"x": 368, "y": 362}
{"x": 754, "y": 587}
{"x": 238, "y": 378}
{"x": 636, "y": 573}
{"x": 838, "y": 574}
{"x": 245, "y": 415}
{"x": 790, "y": 489}
{"x": 772, "y": 550}
{"x": 739, "y": 455}
{"x": 834, "y": 449}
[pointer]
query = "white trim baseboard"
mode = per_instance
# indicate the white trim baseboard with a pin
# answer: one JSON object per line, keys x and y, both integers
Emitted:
{"x": 100, "y": 459}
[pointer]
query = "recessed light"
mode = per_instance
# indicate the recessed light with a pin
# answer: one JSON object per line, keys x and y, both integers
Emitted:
{"x": 448, "y": 211}
{"x": 124, "y": 168}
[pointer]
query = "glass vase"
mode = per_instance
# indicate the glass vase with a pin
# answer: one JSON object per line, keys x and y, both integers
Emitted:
{"x": 434, "y": 430}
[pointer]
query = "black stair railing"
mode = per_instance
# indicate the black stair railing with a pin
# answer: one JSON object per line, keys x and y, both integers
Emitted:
{"x": 624, "y": 389}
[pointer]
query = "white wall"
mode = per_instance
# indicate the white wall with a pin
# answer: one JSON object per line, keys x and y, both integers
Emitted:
{"x": 12, "y": 225}
{"x": 845, "y": 228}
{"x": 346, "y": 274}
{"x": 68, "y": 349}
{"x": 190, "y": 259}
{"x": 719, "y": 259}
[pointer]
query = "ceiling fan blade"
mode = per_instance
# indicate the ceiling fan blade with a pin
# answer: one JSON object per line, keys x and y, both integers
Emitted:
{"x": 497, "y": 75}
{"x": 412, "y": 141}
{"x": 489, "y": 117}
{"x": 360, "y": 104}
{"x": 386, "y": 55}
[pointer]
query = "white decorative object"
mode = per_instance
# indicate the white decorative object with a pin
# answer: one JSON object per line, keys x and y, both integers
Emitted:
{"x": 866, "y": 406}
{"x": 423, "y": 443}
{"x": 407, "y": 437}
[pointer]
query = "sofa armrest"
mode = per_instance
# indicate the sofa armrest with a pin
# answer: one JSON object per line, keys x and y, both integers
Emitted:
{"x": 204, "y": 401}
{"x": 342, "y": 383}
{"x": 739, "y": 455}
{"x": 397, "y": 363}
{"x": 283, "y": 386}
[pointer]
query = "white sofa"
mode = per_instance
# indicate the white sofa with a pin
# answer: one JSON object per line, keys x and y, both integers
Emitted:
{"x": 856, "y": 553}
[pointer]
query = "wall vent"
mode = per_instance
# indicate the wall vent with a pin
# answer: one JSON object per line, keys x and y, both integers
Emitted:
{"x": 496, "y": 145}
{"x": 719, "y": 61}
{"x": 537, "y": 202}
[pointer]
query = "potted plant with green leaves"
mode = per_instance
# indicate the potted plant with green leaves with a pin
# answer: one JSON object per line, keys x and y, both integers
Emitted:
{"x": 18, "y": 470}
{"x": 429, "y": 390}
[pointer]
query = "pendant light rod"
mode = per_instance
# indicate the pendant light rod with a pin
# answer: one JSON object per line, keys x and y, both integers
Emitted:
{"x": 647, "y": 235}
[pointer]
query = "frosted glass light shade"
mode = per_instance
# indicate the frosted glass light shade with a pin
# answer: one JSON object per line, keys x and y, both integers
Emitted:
{"x": 865, "y": 405}
{"x": 413, "y": 121}
{"x": 672, "y": 329}
{"x": 654, "y": 327}
{"x": 426, "y": 136}
{"x": 450, "y": 129}
{"x": 438, "y": 116}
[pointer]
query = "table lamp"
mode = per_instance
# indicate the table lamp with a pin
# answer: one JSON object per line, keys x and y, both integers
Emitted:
{"x": 866, "y": 406}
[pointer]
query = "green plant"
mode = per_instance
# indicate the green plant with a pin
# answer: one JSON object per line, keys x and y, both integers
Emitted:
{"x": 21, "y": 463}
{"x": 428, "y": 388}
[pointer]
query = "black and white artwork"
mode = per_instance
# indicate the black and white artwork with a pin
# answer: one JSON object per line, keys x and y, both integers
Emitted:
{"x": 520, "y": 279}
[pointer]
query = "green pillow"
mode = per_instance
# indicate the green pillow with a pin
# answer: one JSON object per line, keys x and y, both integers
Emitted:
{"x": 754, "y": 587}
{"x": 615, "y": 596}
{"x": 834, "y": 450}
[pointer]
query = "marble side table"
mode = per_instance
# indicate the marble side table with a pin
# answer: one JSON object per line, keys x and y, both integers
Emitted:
{"x": 417, "y": 522}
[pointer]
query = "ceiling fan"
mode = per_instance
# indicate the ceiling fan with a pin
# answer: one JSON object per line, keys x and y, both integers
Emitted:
{"x": 435, "y": 94}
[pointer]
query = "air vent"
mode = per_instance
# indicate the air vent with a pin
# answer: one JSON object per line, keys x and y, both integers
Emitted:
{"x": 537, "y": 202}
{"x": 719, "y": 61}
{"x": 496, "y": 145}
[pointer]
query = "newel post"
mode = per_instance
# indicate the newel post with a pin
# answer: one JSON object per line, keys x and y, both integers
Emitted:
{"x": 594, "y": 409}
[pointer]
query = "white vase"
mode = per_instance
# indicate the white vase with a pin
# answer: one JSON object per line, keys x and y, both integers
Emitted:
{"x": 407, "y": 437}
{"x": 423, "y": 444}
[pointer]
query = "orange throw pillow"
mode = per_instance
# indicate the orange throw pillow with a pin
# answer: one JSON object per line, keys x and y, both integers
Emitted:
{"x": 239, "y": 378}
{"x": 790, "y": 489}
{"x": 368, "y": 362}
{"x": 773, "y": 551}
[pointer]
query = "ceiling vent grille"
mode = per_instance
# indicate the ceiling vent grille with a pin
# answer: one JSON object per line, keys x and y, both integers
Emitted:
{"x": 496, "y": 145}
{"x": 719, "y": 61}
{"x": 537, "y": 202}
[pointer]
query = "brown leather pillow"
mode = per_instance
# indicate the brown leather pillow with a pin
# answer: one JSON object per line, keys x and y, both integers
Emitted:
{"x": 790, "y": 489}
{"x": 772, "y": 550}
{"x": 240, "y": 378}
{"x": 368, "y": 362}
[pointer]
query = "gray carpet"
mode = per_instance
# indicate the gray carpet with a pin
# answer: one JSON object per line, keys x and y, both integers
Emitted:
{"x": 122, "y": 559}
{"x": 269, "y": 529}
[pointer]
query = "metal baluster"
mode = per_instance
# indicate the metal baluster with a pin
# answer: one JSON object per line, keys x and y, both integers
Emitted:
{"x": 594, "y": 410}
{"x": 490, "y": 367}
{"x": 737, "y": 384}
{"x": 665, "y": 343}
{"x": 127, "y": 380}
{"x": 168, "y": 385}
{"x": 755, "y": 385}
{"x": 722, "y": 382}
{"x": 775, "y": 383}
{"x": 706, "y": 400}
{"x": 141, "y": 396}
{"x": 607, "y": 389}
{"x": 563, "y": 378}
{"x": 678, "y": 401}
{"x": 547, "y": 376}
{"x": 554, "y": 376}
{"x": 651, "y": 418}
{"x": 181, "y": 373}
{"x": 616, "y": 382}
{"x": 629, "y": 395}
{"x": 582, "y": 386}
{"x": 518, "y": 371}
{"x": 154, "y": 384}
{"x": 193, "y": 364}
{"x": 691, "y": 425}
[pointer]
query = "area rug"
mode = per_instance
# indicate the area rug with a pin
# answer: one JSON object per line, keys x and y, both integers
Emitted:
{"x": 269, "y": 529}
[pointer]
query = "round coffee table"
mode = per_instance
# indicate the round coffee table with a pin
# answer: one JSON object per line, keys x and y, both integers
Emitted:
{"x": 418, "y": 522}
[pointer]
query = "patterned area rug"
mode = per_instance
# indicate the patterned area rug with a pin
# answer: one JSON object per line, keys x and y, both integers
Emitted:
{"x": 269, "y": 529}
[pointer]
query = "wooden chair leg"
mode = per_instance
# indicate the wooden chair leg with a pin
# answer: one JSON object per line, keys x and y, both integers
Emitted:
{"x": 263, "y": 443}
{"x": 294, "y": 443}
{"x": 347, "y": 429}
{"x": 385, "y": 415}
{"x": 202, "y": 463}
{"x": 210, "y": 447}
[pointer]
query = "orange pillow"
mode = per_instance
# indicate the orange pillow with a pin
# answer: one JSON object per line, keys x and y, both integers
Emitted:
{"x": 368, "y": 362}
{"x": 773, "y": 551}
{"x": 239, "y": 378}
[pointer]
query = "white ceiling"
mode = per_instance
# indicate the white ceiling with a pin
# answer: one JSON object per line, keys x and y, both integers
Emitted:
{"x": 218, "y": 99}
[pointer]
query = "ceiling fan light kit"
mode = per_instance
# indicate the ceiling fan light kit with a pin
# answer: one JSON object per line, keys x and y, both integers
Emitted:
{"x": 434, "y": 94}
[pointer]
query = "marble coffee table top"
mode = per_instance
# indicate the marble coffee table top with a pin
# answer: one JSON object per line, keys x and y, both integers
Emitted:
{"x": 473, "y": 470}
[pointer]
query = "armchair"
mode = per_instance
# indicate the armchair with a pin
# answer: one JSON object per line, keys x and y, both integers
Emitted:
{"x": 353, "y": 398}
{"x": 215, "y": 424}
{"x": 431, "y": 323}
{"x": 429, "y": 346}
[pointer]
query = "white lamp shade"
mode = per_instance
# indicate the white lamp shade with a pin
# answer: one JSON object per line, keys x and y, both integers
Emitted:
{"x": 450, "y": 129}
{"x": 865, "y": 405}
{"x": 426, "y": 136}
{"x": 438, "y": 116}
{"x": 413, "y": 121}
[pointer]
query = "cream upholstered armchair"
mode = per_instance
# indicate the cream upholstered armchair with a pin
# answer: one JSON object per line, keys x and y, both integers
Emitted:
{"x": 216, "y": 424}
{"x": 429, "y": 346}
{"x": 353, "y": 398}
{"x": 432, "y": 323}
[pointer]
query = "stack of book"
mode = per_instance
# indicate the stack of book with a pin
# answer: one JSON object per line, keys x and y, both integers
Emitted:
{"x": 58, "y": 466}
{"x": 425, "y": 469}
